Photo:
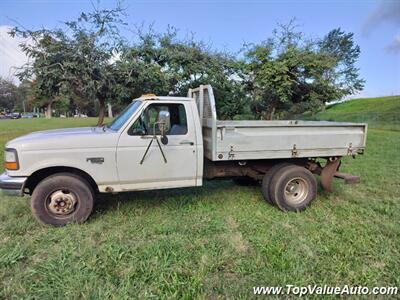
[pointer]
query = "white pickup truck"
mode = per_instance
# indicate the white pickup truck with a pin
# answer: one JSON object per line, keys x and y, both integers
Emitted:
{"x": 174, "y": 142}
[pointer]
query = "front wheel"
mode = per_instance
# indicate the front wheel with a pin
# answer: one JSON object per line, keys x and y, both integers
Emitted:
{"x": 61, "y": 199}
{"x": 292, "y": 188}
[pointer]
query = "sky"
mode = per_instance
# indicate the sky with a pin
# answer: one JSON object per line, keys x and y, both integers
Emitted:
{"x": 227, "y": 25}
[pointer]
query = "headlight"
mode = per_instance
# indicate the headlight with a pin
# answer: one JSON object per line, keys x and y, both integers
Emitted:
{"x": 11, "y": 159}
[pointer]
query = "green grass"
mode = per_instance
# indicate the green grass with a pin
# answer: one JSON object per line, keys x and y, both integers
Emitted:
{"x": 217, "y": 241}
{"x": 380, "y": 112}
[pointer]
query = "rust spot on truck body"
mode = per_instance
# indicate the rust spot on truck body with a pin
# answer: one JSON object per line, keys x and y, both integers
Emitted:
{"x": 109, "y": 189}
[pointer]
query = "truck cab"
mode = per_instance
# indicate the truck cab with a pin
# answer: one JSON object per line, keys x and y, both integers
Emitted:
{"x": 142, "y": 161}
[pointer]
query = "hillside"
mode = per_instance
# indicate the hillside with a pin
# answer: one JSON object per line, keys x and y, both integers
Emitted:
{"x": 382, "y": 112}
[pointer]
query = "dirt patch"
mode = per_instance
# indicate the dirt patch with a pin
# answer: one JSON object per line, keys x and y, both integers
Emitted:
{"x": 232, "y": 225}
{"x": 235, "y": 237}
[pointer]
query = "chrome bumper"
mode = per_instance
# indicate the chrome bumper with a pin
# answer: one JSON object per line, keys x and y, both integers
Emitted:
{"x": 12, "y": 185}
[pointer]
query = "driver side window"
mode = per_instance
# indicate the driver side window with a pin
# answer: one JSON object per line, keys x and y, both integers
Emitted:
{"x": 146, "y": 123}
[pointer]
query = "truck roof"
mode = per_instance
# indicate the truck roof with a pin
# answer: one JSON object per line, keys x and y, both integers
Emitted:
{"x": 163, "y": 98}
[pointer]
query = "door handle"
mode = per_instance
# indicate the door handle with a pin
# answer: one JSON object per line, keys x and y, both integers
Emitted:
{"x": 187, "y": 143}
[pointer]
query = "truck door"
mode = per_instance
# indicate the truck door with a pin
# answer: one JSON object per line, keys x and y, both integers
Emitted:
{"x": 138, "y": 170}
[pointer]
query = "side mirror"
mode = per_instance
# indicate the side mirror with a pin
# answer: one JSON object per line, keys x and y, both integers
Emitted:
{"x": 164, "y": 124}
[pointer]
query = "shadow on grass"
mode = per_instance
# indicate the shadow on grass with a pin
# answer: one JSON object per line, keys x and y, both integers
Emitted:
{"x": 171, "y": 198}
{"x": 213, "y": 194}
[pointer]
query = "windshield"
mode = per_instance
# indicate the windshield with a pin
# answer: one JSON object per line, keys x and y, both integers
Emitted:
{"x": 117, "y": 123}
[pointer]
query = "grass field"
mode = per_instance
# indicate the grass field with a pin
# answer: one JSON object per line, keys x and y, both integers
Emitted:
{"x": 217, "y": 241}
{"x": 380, "y": 112}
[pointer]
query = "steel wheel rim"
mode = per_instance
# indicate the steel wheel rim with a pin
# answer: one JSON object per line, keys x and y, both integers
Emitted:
{"x": 61, "y": 203}
{"x": 296, "y": 191}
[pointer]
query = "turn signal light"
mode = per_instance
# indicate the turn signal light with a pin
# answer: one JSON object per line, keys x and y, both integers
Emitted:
{"x": 11, "y": 165}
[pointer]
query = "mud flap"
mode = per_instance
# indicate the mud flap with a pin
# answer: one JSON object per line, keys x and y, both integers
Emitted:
{"x": 328, "y": 172}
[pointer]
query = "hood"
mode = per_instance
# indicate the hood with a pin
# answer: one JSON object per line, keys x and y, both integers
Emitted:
{"x": 67, "y": 138}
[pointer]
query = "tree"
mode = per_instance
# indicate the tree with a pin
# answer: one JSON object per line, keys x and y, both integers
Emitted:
{"x": 48, "y": 53}
{"x": 164, "y": 64}
{"x": 13, "y": 97}
{"x": 289, "y": 74}
{"x": 76, "y": 59}
{"x": 341, "y": 47}
{"x": 87, "y": 61}
{"x": 8, "y": 95}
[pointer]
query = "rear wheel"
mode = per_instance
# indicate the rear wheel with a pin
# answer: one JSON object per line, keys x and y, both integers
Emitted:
{"x": 267, "y": 181}
{"x": 293, "y": 187}
{"x": 61, "y": 199}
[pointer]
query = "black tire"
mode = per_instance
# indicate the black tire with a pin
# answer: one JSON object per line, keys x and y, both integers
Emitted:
{"x": 61, "y": 199}
{"x": 267, "y": 181}
{"x": 245, "y": 181}
{"x": 293, "y": 187}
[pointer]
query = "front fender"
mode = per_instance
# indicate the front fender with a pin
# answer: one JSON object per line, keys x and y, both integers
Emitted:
{"x": 103, "y": 171}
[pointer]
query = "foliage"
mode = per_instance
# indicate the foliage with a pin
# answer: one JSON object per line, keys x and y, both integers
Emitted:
{"x": 77, "y": 63}
{"x": 341, "y": 47}
{"x": 164, "y": 64}
{"x": 288, "y": 73}
{"x": 13, "y": 96}
{"x": 74, "y": 60}
{"x": 87, "y": 60}
{"x": 8, "y": 94}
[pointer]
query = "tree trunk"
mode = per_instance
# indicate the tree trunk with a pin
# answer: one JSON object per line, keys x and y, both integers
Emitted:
{"x": 49, "y": 111}
{"x": 271, "y": 116}
{"x": 102, "y": 108}
{"x": 110, "y": 114}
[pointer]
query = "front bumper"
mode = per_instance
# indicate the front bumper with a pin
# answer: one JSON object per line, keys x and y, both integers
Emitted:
{"x": 12, "y": 185}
